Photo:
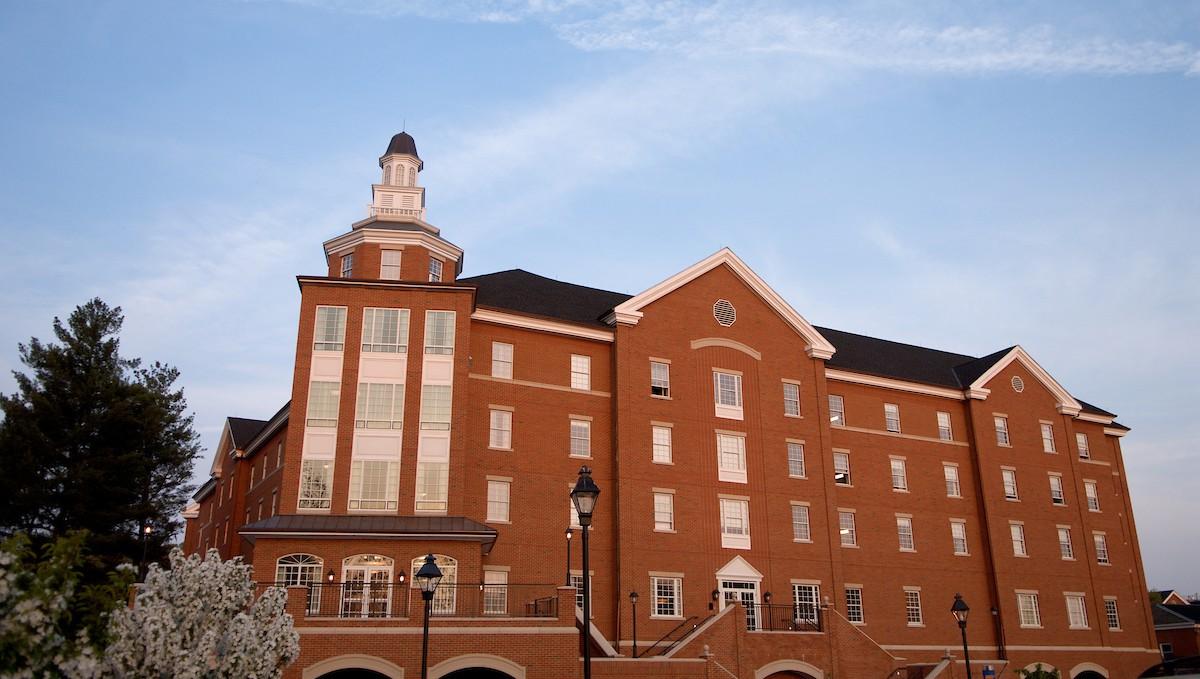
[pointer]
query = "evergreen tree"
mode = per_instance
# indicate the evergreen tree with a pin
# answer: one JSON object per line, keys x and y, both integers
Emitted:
{"x": 94, "y": 441}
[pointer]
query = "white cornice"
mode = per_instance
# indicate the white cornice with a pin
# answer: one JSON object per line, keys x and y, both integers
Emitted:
{"x": 366, "y": 234}
{"x": 1113, "y": 431}
{"x": 356, "y": 282}
{"x": 629, "y": 311}
{"x": 1092, "y": 417}
{"x": 541, "y": 324}
{"x": 898, "y": 385}
{"x": 1067, "y": 405}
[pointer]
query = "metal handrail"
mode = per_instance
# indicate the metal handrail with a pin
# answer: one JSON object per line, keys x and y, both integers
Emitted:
{"x": 673, "y": 643}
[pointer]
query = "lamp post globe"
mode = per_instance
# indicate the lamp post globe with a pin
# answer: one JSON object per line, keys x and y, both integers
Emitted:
{"x": 584, "y": 495}
{"x": 959, "y": 609}
{"x": 633, "y": 599}
{"x": 428, "y": 577}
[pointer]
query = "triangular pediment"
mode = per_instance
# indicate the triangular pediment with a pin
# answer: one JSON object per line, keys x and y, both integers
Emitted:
{"x": 739, "y": 569}
{"x": 630, "y": 311}
{"x": 1067, "y": 404}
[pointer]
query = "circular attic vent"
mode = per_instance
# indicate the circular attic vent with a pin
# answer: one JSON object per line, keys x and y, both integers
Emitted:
{"x": 724, "y": 312}
{"x": 1018, "y": 384}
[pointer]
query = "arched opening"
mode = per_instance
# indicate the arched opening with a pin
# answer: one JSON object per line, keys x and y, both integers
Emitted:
{"x": 477, "y": 673}
{"x": 1089, "y": 674}
{"x": 353, "y": 674}
{"x": 445, "y": 598}
{"x": 788, "y": 674}
{"x": 477, "y": 666}
{"x": 366, "y": 586}
{"x": 352, "y": 666}
{"x": 304, "y": 570}
{"x": 387, "y": 174}
{"x": 412, "y": 176}
{"x": 788, "y": 669}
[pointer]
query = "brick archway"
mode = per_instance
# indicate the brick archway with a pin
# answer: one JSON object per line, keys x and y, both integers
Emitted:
{"x": 788, "y": 669}
{"x": 477, "y": 666}
{"x": 353, "y": 666}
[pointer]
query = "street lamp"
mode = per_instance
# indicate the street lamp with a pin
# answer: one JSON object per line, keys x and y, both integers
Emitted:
{"x": 568, "y": 532}
{"x": 633, "y": 597}
{"x": 960, "y": 610}
{"x": 428, "y": 576}
{"x": 145, "y": 537}
{"x": 584, "y": 496}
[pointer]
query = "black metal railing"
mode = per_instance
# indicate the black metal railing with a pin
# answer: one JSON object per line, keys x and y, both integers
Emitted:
{"x": 677, "y": 634}
{"x": 393, "y": 600}
{"x": 783, "y": 617}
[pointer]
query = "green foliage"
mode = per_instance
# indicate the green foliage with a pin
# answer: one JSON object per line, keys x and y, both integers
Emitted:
{"x": 1038, "y": 673}
{"x": 50, "y": 624}
{"x": 94, "y": 441}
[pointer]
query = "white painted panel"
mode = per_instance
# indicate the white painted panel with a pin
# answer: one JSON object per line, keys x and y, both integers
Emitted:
{"x": 327, "y": 365}
{"x": 437, "y": 369}
{"x": 434, "y": 446}
{"x": 729, "y": 412}
{"x": 383, "y": 368}
{"x": 377, "y": 445}
{"x": 320, "y": 442}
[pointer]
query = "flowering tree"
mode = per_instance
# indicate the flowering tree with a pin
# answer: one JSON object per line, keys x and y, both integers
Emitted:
{"x": 200, "y": 620}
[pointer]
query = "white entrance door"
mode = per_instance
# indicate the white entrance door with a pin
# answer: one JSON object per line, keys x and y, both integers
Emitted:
{"x": 366, "y": 587}
{"x": 744, "y": 592}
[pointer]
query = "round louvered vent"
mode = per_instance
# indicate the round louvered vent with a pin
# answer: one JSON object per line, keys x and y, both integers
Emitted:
{"x": 724, "y": 312}
{"x": 1018, "y": 384}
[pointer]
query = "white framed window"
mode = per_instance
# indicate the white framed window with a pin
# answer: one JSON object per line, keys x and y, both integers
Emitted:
{"x": 1027, "y": 608}
{"x": 1048, "y": 438}
{"x": 1093, "y": 496}
{"x": 302, "y": 570}
{"x": 660, "y": 379}
{"x": 1167, "y": 650}
{"x": 581, "y": 438}
{"x": 1101, "y": 543}
{"x": 1017, "y": 532}
{"x": 731, "y": 458}
{"x": 1065, "y": 548}
{"x": 374, "y": 485}
{"x": 953, "y": 487}
{"x": 581, "y": 372}
{"x": 1081, "y": 442}
{"x": 329, "y": 333}
{"x": 904, "y": 532}
{"x": 801, "y": 531}
{"x": 1111, "y": 614}
{"x": 791, "y": 399}
{"x": 502, "y": 360}
{"x": 435, "y": 269}
{"x": 664, "y": 512}
{"x": 945, "y": 432}
{"x": 347, "y": 265}
{"x": 495, "y": 592}
{"x": 500, "y": 429}
{"x": 1001, "y": 430}
{"x": 577, "y": 583}
{"x": 1056, "y": 490}
{"x": 735, "y": 523}
{"x": 837, "y": 410}
{"x": 573, "y": 521}
{"x": 433, "y": 486}
{"x": 854, "y": 604}
{"x": 668, "y": 599}
{"x": 660, "y": 444}
{"x": 499, "y": 494}
{"x": 1076, "y": 612}
{"x": 958, "y": 534}
{"x": 379, "y": 406}
{"x": 439, "y": 332}
{"x": 795, "y": 458}
{"x": 435, "y": 406}
{"x": 806, "y": 599}
{"x": 389, "y": 264}
{"x": 899, "y": 474}
{"x": 841, "y": 469}
{"x": 891, "y": 417}
{"x": 846, "y": 529}
{"x": 316, "y": 484}
{"x": 323, "y": 399}
{"x": 1010, "y": 484}
{"x": 727, "y": 393}
{"x": 912, "y": 608}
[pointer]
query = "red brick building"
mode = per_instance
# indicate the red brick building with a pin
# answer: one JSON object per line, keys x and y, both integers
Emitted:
{"x": 840, "y": 488}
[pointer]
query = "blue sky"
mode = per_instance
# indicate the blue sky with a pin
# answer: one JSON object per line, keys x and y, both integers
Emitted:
{"x": 961, "y": 175}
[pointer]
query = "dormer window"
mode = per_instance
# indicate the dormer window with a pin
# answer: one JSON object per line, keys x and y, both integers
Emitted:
{"x": 435, "y": 269}
{"x": 347, "y": 265}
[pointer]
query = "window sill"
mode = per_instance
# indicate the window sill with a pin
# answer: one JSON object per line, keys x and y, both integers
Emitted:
{"x": 797, "y": 477}
{"x": 662, "y": 398}
{"x": 893, "y": 431}
{"x": 506, "y": 450}
{"x": 498, "y": 521}
{"x": 962, "y": 554}
{"x": 580, "y": 457}
{"x": 1021, "y": 556}
{"x": 908, "y": 551}
{"x": 858, "y": 623}
{"x": 663, "y": 462}
{"x": 1103, "y": 563}
{"x": 1031, "y": 627}
{"x": 1004, "y": 445}
{"x": 916, "y": 624}
{"x": 843, "y": 485}
{"x": 954, "y": 497}
{"x": 845, "y": 546}
{"x": 809, "y": 541}
{"x": 665, "y": 530}
{"x": 1058, "y": 504}
{"x": 1077, "y": 627}
{"x": 796, "y": 417}
{"x": 666, "y": 617}
{"x": 507, "y": 378}
{"x": 1012, "y": 499}
{"x": 1094, "y": 511}
{"x": 900, "y": 490}
{"x": 1068, "y": 558}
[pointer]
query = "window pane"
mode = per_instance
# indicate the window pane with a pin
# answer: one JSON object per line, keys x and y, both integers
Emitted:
{"x": 660, "y": 379}
{"x": 791, "y": 399}
{"x": 846, "y": 527}
{"x": 439, "y": 332}
{"x": 385, "y": 330}
{"x": 581, "y": 438}
{"x": 502, "y": 360}
{"x": 432, "y": 486}
{"x": 330, "y": 330}
{"x": 953, "y": 489}
{"x": 389, "y": 265}
{"x": 728, "y": 389}
{"x": 891, "y": 416}
{"x": 944, "y": 431}
{"x": 664, "y": 511}
{"x": 498, "y": 494}
{"x": 661, "y": 442}
{"x": 899, "y": 475}
{"x": 1047, "y": 437}
{"x": 323, "y": 400}
{"x": 795, "y": 453}
{"x": 800, "y": 526}
{"x": 841, "y": 469}
{"x": 500, "y": 433}
{"x": 581, "y": 372}
{"x": 435, "y": 406}
{"x": 837, "y": 410}
{"x": 316, "y": 487}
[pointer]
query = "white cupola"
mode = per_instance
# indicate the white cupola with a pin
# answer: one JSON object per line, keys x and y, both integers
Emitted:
{"x": 398, "y": 194}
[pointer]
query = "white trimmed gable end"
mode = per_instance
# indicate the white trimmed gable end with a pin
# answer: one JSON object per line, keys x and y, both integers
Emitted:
{"x": 1067, "y": 405}
{"x": 630, "y": 311}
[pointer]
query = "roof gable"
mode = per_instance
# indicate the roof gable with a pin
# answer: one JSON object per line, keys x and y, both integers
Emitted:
{"x": 630, "y": 311}
{"x": 976, "y": 389}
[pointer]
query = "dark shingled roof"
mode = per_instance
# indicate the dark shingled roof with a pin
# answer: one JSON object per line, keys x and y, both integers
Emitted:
{"x": 403, "y": 143}
{"x": 519, "y": 290}
{"x": 1095, "y": 410}
{"x": 884, "y": 358}
{"x": 243, "y": 430}
{"x": 456, "y": 527}
{"x": 1176, "y": 614}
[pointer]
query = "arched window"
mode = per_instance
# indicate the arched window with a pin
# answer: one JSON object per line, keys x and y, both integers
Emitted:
{"x": 445, "y": 597}
{"x": 301, "y": 569}
{"x": 387, "y": 174}
{"x": 412, "y": 176}
{"x": 367, "y": 586}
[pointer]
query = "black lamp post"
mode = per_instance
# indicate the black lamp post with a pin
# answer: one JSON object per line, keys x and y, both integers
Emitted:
{"x": 584, "y": 496}
{"x": 633, "y": 597}
{"x": 428, "y": 577}
{"x": 145, "y": 536}
{"x": 569, "y": 532}
{"x": 960, "y": 610}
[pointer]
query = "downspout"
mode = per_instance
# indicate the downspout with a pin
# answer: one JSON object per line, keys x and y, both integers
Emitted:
{"x": 993, "y": 587}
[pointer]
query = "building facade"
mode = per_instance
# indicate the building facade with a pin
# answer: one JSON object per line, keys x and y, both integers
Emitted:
{"x": 786, "y": 500}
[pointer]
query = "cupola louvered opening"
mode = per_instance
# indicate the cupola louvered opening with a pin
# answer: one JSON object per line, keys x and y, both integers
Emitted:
{"x": 1018, "y": 384}
{"x": 724, "y": 312}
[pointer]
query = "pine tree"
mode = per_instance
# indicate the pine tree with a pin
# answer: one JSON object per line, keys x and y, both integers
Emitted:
{"x": 94, "y": 441}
